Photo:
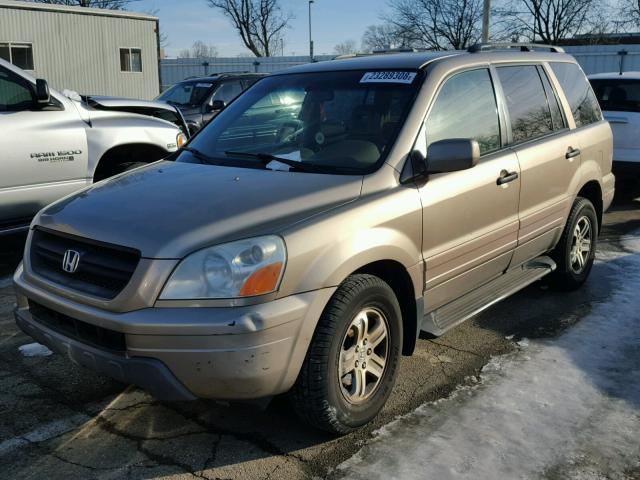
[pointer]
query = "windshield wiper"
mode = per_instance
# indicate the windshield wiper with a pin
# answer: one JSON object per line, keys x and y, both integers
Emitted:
{"x": 266, "y": 158}
{"x": 204, "y": 158}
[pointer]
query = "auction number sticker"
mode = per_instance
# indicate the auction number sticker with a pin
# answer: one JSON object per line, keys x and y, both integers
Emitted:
{"x": 388, "y": 77}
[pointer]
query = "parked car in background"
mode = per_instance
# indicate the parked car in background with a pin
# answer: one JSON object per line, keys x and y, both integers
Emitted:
{"x": 303, "y": 250}
{"x": 54, "y": 144}
{"x": 619, "y": 98}
{"x": 202, "y": 98}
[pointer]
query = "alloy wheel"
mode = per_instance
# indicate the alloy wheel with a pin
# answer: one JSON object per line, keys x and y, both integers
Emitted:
{"x": 363, "y": 356}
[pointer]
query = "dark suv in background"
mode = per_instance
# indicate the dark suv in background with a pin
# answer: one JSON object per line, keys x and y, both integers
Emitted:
{"x": 199, "y": 99}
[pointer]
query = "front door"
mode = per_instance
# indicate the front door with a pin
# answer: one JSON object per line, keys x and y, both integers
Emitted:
{"x": 43, "y": 153}
{"x": 470, "y": 219}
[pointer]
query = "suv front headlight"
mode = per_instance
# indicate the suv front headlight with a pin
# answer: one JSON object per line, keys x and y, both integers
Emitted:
{"x": 244, "y": 268}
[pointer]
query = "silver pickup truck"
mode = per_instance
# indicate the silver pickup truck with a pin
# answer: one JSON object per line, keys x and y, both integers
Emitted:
{"x": 52, "y": 144}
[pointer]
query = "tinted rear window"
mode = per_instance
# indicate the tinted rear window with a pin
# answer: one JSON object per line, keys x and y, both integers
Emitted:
{"x": 583, "y": 103}
{"x": 621, "y": 95}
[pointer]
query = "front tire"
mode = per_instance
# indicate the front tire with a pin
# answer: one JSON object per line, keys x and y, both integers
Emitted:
{"x": 352, "y": 362}
{"x": 575, "y": 253}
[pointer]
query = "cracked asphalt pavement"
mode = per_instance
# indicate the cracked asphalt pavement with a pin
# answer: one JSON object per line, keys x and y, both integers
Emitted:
{"x": 58, "y": 420}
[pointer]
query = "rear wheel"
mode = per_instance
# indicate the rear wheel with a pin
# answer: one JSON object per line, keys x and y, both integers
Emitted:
{"x": 575, "y": 253}
{"x": 351, "y": 365}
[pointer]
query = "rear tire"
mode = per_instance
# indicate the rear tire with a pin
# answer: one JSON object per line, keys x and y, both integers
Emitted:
{"x": 576, "y": 250}
{"x": 336, "y": 390}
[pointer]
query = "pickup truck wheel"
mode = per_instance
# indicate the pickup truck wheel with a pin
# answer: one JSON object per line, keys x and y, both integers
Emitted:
{"x": 351, "y": 365}
{"x": 576, "y": 251}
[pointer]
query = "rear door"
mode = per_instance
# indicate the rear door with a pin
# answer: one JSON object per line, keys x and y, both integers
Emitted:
{"x": 43, "y": 153}
{"x": 619, "y": 99}
{"x": 548, "y": 155}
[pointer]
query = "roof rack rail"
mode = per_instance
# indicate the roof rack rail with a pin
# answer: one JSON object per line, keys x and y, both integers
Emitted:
{"x": 523, "y": 47}
{"x": 219, "y": 74}
{"x": 380, "y": 51}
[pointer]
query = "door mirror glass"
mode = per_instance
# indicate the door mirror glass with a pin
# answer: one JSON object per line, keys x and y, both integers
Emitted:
{"x": 43, "y": 97}
{"x": 452, "y": 155}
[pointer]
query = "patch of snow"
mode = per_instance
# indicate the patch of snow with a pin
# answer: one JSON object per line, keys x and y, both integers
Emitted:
{"x": 524, "y": 343}
{"x": 569, "y": 408}
{"x": 34, "y": 350}
{"x": 5, "y": 282}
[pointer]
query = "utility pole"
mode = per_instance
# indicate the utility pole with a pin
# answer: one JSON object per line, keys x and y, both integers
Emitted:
{"x": 310, "y": 40}
{"x": 486, "y": 14}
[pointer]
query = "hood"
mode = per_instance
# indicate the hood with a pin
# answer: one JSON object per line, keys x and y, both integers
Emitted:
{"x": 116, "y": 103}
{"x": 168, "y": 209}
{"x": 150, "y": 108}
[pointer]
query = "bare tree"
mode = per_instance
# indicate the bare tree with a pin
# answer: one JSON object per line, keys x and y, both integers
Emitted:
{"x": 107, "y": 4}
{"x": 386, "y": 35}
{"x": 260, "y": 23}
{"x": 549, "y": 21}
{"x": 628, "y": 16}
{"x": 199, "y": 49}
{"x": 437, "y": 24}
{"x": 345, "y": 48}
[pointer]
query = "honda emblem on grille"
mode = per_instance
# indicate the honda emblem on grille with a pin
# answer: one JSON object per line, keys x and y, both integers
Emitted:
{"x": 70, "y": 261}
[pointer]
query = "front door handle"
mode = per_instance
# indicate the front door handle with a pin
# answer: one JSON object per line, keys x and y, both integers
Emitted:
{"x": 506, "y": 177}
{"x": 572, "y": 152}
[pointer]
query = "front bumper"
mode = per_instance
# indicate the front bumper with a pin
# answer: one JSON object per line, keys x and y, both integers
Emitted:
{"x": 148, "y": 373}
{"x": 229, "y": 353}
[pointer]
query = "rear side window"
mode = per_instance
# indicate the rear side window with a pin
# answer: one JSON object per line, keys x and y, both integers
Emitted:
{"x": 526, "y": 101}
{"x": 466, "y": 108}
{"x": 581, "y": 98}
{"x": 619, "y": 95}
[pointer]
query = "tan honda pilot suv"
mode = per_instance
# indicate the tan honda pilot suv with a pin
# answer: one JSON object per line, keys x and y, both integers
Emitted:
{"x": 303, "y": 239}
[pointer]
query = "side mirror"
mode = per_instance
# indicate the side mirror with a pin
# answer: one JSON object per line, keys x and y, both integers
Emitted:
{"x": 452, "y": 155}
{"x": 43, "y": 97}
{"x": 216, "y": 106}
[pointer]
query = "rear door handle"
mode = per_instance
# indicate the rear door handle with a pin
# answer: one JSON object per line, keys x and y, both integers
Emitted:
{"x": 506, "y": 177}
{"x": 572, "y": 152}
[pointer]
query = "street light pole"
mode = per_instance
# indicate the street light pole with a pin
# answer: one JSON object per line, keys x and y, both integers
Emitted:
{"x": 310, "y": 40}
{"x": 486, "y": 13}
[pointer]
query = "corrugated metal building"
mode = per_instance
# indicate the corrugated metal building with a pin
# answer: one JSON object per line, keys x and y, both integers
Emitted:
{"x": 92, "y": 51}
{"x": 592, "y": 58}
{"x": 606, "y": 58}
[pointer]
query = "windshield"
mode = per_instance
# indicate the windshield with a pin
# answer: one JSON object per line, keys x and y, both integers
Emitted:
{"x": 187, "y": 94}
{"x": 621, "y": 95}
{"x": 334, "y": 122}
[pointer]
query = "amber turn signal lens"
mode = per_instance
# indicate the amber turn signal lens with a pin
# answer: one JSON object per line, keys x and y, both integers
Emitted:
{"x": 262, "y": 281}
{"x": 181, "y": 140}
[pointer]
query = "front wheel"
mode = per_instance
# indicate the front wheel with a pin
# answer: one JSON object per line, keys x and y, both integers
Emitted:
{"x": 351, "y": 365}
{"x": 576, "y": 251}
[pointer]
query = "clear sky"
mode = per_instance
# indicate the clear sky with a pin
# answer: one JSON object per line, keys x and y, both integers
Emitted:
{"x": 333, "y": 21}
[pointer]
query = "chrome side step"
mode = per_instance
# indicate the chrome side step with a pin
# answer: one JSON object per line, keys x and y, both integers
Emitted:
{"x": 474, "y": 302}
